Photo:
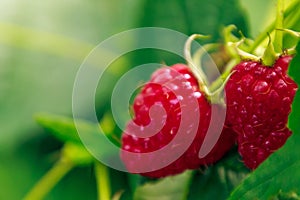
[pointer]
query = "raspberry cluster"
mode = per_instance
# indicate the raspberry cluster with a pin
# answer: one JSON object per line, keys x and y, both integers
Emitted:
{"x": 258, "y": 99}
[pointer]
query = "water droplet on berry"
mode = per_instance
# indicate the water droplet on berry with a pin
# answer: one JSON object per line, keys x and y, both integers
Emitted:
{"x": 187, "y": 85}
{"x": 259, "y": 70}
{"x": 187, "y": 76}
{"x": 126, "y": 147}
{"x": 197, "y": 94}
{"x": 271, "y": 75}
{"x": 278, "y": 69}
{"x": 261, "y": 87}
{"x": 247, "y": 80}
{"x": 180, "y": 98}
{"x": 239, "y": 89}
{"x": 281, "y": 85}
{"x": 174, "y": 101}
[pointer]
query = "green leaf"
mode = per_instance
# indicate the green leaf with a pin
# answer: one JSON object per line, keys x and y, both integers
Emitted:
{"x": 134, "y": 181}
{"x": 281, "y": 171}
{"x": 63, "y": 128}
{"x": 170, "y": 188}
{"x": 194, "y": 16}
{"x": 294, "y": 118}
{"x": 222, "y": 177}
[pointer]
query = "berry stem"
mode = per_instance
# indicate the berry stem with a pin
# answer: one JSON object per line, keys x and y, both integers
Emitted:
{"x": 217, "y": 96}
{"x": 103, "y": 183}
{"x": 291, "y": 32}
{"x": 221, "y": 79}
{"x": 194, "y": 64}
{"x": 50, "y": 179}
{"x": 201, "y": 51}
{"x": 288, "y": 13}
{"x": 241, "y": 53}
{"x": 196, "y": 70}
{"x": 229, "y": 39}
{"x": 229, "y": 66}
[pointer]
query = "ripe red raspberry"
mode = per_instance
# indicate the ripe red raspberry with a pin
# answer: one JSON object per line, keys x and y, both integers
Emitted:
{"x": 160, "y": 91}
{"x": 259, "y": 101}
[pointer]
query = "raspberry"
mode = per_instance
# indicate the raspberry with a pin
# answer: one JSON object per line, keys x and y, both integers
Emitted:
{"x": 259, "y": 101}
{"x": 157, "y": 92}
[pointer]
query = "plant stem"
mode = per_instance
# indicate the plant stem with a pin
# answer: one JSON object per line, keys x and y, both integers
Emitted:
{"x": 103, "y": 183}
{"x": 261, "y": 37}
{"x": 279, "y": 24}
{"x": 49, "y": 180}
{"x": 293, "y": 19}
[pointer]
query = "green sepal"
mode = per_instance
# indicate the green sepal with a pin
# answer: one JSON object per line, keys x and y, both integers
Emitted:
{"x": 269, "y": 57}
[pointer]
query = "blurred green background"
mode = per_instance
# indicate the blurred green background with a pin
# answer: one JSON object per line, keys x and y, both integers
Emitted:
{"x": 43, "y": 43}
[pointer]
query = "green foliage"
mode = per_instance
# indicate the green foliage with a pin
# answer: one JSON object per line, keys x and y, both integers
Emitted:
{"x": 62, "y": 128}
{"x": 170, "y": 188}
{"x": 286, "y": 196}
{"x": 27, "y": 163}
{"x": 222, "y": 177}
{"x": 188, "y": 17}
{"x": 294, "y": 118}
{"x": 193, "y": 16}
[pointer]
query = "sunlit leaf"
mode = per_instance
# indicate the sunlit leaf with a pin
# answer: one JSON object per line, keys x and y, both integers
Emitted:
{"x": 170, "y": 188}
{"x": 63, "y": 128}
